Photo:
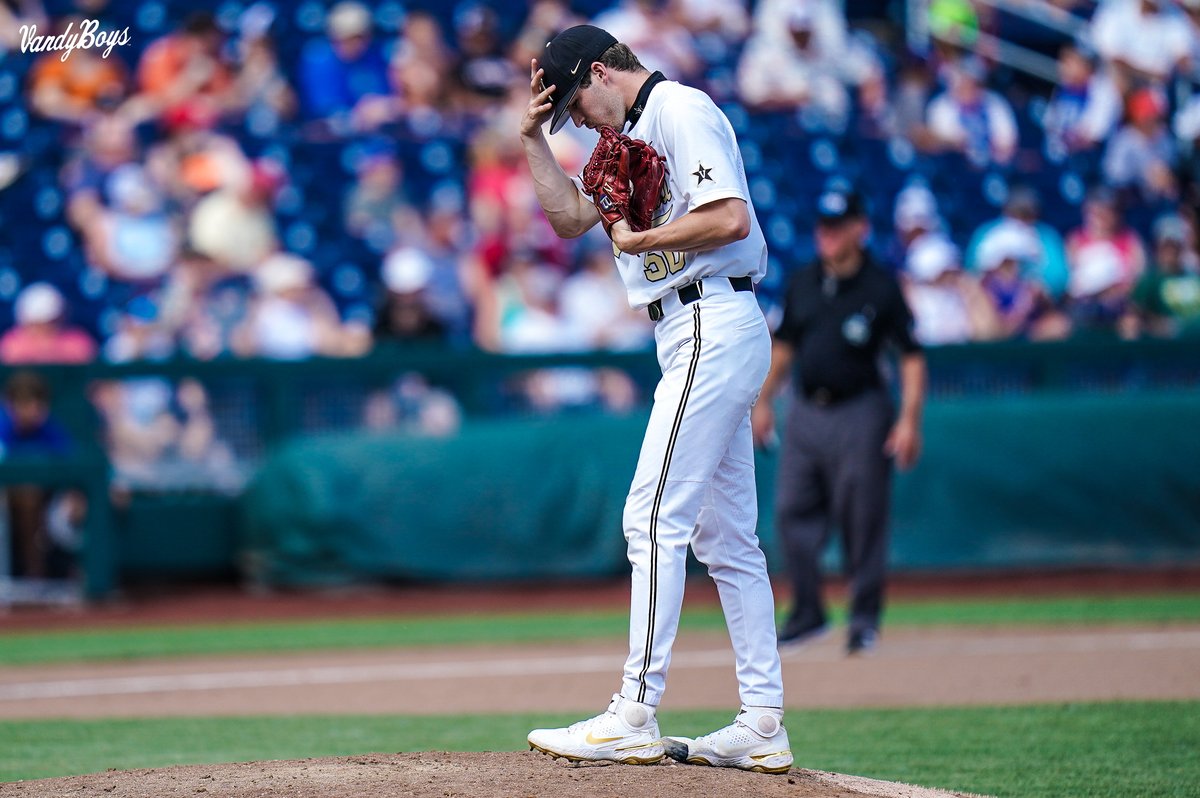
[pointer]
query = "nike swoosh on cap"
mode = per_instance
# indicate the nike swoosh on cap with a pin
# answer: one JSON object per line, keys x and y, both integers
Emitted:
{"x": 577, "y": 63}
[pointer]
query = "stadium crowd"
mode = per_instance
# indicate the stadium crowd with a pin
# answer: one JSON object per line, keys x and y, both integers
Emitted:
{"x": 285, "y": 180}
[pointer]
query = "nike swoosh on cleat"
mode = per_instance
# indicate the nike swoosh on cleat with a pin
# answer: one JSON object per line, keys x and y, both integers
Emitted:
{"x": 592, "y": 739}
{"x": 761, "y": 757}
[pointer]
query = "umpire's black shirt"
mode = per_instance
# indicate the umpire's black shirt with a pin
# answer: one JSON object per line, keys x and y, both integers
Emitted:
{"x": 838, "y": 328}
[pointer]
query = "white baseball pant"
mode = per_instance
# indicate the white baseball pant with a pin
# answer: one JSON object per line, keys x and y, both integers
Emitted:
{"x": 695, "y": 484}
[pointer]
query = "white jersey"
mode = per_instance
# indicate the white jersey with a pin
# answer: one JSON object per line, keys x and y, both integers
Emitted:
{"x": 704, "y": 164}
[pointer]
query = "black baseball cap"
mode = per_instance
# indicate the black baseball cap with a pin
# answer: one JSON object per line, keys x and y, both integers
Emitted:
{"x": 836, "y": 205}
{"x": 566, "y": 59}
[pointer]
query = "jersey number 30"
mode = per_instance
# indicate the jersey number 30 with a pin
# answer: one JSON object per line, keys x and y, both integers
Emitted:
{"x": 660, "y": 264}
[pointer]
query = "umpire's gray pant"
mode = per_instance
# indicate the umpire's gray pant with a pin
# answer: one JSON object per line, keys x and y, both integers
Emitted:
{"x": 833, "y": 473}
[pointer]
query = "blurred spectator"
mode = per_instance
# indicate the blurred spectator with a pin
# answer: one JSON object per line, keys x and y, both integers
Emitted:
{"x": 1007, "y": 259}
{"x": 292, "y": 318}
{"x": 261, "y": 89}
{"x": 914, "y": 215}
{"x": 546, "y": 19}
{"x": 377, "y": 208}
{"x": 1106, "y": 258}
{"x": 1141, "y": 155}
{"x": 1084, "y": 108}
{"x": 520, "y": 314}
{"x": 503, "y": 206}
{"x": 185, "y": 70}
{"x": 725, "y": 21}
{"x": 414, "y": 406}
{"x": 139, "y": 332}
{"x": 201, "y": 306}
{"x": 953, "y": 24}
{"x": 1166, "y": 301}
{"x": 26, "y": 426}
{"x": 948, "y": 305}
{"x": 134, "y": 239}
{"x": 193, "y": 159}
{"x": 915, "y": 85}
{"x": 41, "y": 525}
{"x": 339, "y": 71}
{"x": 457, "y": 276}
{"x": 107, "y": 143}
{"x": 1141, "y": 39}
{"x": 972, "y": 120}
{"x": 806, "y": 64}
{"x": 235, "y": 225}
{"x": 1186, "y": 127}
{"x": 418, "y": 76}
{"x": 1047, "y": 264}
{"x": 651, "y": 31}
{"x": 13, "y": 16}
{"x": 594, "y": 301}
{"x": 405, "y": 314}
{"x": 40, "y": 334}
{"x": 1191, "y": 13}
{"x": 483, "y": 72}
{"x": 75, "y": 89}
{"x": 160, "y": 437}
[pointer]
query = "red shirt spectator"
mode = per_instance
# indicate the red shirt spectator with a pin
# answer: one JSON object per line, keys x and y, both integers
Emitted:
{"x": 39, "y": 336}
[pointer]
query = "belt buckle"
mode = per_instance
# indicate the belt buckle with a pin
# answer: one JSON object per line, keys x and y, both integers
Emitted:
{"x": 655, "y": 310}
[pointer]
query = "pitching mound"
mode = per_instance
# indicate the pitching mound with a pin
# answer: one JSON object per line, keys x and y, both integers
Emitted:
{"x": 438, "y": 775}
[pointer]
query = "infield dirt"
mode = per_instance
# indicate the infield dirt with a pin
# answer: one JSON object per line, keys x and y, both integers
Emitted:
{"x": 458, "y": 775}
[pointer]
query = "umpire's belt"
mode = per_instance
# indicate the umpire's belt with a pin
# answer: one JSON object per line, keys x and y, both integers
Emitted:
{"x": 822, "y": 396}
{"x": 689, "y": 293}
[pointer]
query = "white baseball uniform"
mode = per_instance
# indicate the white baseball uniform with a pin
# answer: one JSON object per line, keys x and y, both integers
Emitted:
{"x": 694, "y": 482}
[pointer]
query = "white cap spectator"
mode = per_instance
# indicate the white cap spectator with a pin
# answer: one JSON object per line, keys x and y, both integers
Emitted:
{"x": 1009, "y": 240}
{"x": 916, "y": 208}
{"x": 930, "y": 257}
{"x": 407, "y": 270}
{"x": 283, "y": 272}
{"x": 348, "y": 19}
{"x": 39, "y": 303}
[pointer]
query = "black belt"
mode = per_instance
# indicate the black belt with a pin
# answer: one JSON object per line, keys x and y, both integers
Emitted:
{"x": 693, "y": 291}
{"x": 827, "y": 397}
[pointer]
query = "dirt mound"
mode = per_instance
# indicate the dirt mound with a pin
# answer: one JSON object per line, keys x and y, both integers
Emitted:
{"x": 443, "y": 775}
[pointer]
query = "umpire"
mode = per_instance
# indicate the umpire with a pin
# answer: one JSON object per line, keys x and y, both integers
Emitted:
{"x": 843, "y": 432}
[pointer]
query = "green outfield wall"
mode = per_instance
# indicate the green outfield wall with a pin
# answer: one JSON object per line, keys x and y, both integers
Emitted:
{"x": 1056, "y": 480}
{"x": 1084, "y": 453}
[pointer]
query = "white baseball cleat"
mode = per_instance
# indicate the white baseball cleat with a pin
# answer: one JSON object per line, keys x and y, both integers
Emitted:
{"x": 755, "y": 741}
{"x": 626, "y": 732}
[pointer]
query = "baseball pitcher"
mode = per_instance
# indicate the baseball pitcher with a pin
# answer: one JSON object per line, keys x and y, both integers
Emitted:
{"x": 667, "y": 182}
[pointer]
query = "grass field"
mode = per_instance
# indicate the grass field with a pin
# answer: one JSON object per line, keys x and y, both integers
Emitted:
{"x": 1102, "y": 750}
{"x": 243, "y": 638}
{"x": 1093, "y": 749}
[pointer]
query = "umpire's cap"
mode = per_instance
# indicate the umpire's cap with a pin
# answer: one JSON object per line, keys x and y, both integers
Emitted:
{"x": 567, "y": 58}
{"x": 839, "y": 204}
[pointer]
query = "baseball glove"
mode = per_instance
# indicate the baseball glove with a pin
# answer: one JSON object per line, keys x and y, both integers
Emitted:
{"x": 625, "y": 178}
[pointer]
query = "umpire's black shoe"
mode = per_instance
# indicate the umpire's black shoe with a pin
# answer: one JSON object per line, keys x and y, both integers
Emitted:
{"x": 861, "y": 641}
{"x": 793, "y": 640}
